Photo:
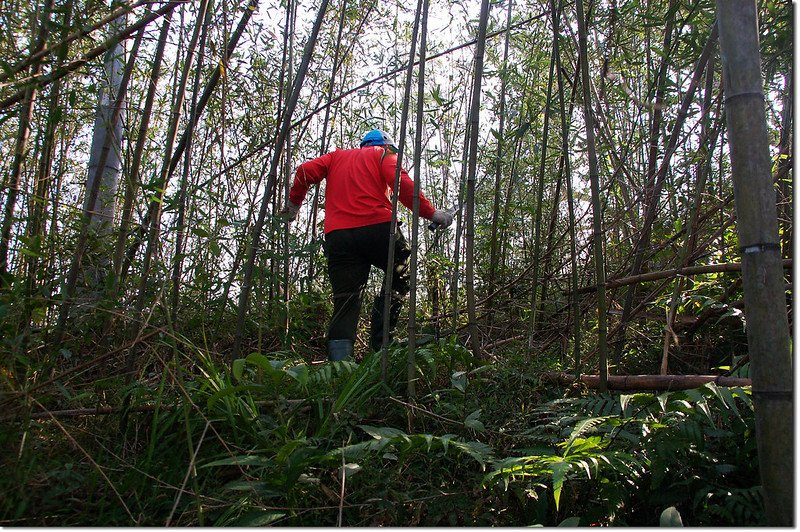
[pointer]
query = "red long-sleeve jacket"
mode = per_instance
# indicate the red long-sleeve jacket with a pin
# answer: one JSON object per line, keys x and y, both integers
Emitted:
{"x": 359, "y": 184}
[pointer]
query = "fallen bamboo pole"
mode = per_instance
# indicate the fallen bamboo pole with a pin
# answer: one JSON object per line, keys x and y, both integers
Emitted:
{"x": 647, "y": 382}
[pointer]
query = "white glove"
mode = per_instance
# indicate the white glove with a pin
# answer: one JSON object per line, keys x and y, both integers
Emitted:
{"x": 443, "y": 218}
{"x": 289, "y": 212}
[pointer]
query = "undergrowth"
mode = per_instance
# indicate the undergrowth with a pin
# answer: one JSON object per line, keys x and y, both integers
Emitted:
{"x": 272, "y": 439}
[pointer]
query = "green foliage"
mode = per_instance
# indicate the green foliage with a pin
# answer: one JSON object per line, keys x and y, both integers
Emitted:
{"x": 678, "y": 448}
{"x": 271, "y": 437}
{"x": 196, "y": 438}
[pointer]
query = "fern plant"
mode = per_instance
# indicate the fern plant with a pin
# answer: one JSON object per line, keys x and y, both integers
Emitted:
{"x": 645, "y": 453}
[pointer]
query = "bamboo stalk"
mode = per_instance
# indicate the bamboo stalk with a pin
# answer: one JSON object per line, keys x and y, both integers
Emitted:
{"x": 21, "y": 144}
{"x": 61, "y": 45}
{"x": 180, "y": 231}
{"x": 597, "y": 215}
{"x": 575, "y": 301}
{"x": 656, "y": 178}
{"x": 537, "y": 218}
{"x": 648, "y": 382}
{"x": 387, "y": 287}
{"x": 272, "y": 177}
{"x": 474, "y": 111}
{"x": 93, "y": 189}
{"x": 412, "y": 304}
{"x": 768, "y": 336}
{"x": 498, "y": 165}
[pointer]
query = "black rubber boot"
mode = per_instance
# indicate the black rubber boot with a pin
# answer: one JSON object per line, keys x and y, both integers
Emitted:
{"x": 340, "y": 350}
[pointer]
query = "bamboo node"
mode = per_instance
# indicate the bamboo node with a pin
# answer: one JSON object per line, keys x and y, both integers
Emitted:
{"x": 774, "y": 395}
{"x": 730, "y": 97}
{"x": 760, "y": 247}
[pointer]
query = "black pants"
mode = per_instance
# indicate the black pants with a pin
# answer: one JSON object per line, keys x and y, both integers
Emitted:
{"x": 351, "y": 253}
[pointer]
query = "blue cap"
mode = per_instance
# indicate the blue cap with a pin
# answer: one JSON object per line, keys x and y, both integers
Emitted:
{"x": 376, "y": 137}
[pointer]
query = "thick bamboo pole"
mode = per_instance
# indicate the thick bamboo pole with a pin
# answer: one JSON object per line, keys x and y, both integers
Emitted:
{"x": 762, "y": 274}
{"x": 92, "y": 192}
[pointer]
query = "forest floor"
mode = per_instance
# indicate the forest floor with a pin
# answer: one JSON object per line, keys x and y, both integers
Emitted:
{"x": 278, "y": 439}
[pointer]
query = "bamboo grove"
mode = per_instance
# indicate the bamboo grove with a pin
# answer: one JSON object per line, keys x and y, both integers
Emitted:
{"x": 585, "y": 143}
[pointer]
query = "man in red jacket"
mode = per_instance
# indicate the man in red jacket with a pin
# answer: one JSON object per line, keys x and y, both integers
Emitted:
{"x": 358, "y": 215}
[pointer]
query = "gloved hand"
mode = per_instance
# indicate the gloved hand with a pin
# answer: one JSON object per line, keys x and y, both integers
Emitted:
{"x": 443, "y": 218}
{"x": 289, "y": 212}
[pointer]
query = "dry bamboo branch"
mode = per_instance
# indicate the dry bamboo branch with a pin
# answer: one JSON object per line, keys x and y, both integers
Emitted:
{"x": 675, "y": 272}
{"x": 41, "y": 53}
{"x": 46, "y": 79}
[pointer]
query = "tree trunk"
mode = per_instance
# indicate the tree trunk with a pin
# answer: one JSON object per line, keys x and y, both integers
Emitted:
{"x": 475, "y": 110}
{"x": 597, "y": 215}
{"x": 412, "y": 302}
{"x": 387, "y": 288}
{"x": 764, "y": 289}
{"x": 107, "y": 137}
{"x": 93, "y": 192}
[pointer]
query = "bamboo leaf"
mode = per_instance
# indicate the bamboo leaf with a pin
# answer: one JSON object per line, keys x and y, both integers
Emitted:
{"x": 237, "y": 368}
{"x": 299, "y": 373}
{"x": 380, "y": 433}
{"x": 459, "y": 380}
{"x": 473, "y": 422}
{"x": 258, "y": 518}
{"x": 232, "y": 390}
{"x": 241, "y": 460}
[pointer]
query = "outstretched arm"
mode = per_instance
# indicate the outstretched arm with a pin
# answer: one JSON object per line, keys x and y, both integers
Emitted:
{"x": 388, "y": 166}
{"x": 426, "y": 210}
{"x": 307, "y": 174}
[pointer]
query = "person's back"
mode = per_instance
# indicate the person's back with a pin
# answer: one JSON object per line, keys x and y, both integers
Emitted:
{"x": 358, "y": 188}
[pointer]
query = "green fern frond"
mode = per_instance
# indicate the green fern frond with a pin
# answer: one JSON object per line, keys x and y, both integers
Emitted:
{"x": 581, "y": 428}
